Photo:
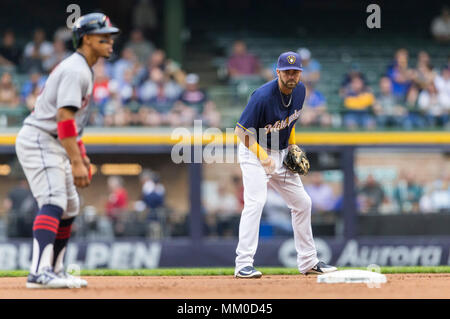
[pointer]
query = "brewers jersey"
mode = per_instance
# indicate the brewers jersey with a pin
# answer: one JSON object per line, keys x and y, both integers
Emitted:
{"x": 265, "y": 115}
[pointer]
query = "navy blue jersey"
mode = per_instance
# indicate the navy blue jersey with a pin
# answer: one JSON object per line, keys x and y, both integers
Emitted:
{"x": 268, "y": 119}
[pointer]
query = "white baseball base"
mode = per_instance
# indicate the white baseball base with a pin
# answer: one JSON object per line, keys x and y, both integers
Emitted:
{"x": 352, "y": 276}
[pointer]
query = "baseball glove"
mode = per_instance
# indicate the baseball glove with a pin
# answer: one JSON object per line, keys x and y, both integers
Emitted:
{"x": 296, "y": 160}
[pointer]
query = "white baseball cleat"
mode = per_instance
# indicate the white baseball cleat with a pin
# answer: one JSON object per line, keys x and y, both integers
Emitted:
{"x": 75, "y": 282}
{"x": 46, "y": 279}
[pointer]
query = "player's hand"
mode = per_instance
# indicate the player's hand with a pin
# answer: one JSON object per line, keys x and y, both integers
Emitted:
{"x": 268, "y": 165}
{"x": 80, "y": 174}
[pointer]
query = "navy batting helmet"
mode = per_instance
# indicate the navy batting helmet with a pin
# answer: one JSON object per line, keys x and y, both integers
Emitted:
{"x": 92, "y": 23}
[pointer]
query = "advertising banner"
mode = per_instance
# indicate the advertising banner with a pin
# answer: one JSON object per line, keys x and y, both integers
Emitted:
{"x": 139, "y": 254}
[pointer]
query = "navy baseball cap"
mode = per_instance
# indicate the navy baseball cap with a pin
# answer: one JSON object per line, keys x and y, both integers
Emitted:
{"x": 289, "y": 61}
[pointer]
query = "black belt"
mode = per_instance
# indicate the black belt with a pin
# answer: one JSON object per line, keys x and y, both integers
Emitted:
{"x": 52, "y": 135}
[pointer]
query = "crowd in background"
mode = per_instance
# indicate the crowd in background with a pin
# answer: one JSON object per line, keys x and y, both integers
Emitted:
{"x": 150, "y": 217}
{"x": 139, "y": 87}
{"x": 146, "y": 217}
{"x": 408, "y": 195}
{"x": 408, "y": 96}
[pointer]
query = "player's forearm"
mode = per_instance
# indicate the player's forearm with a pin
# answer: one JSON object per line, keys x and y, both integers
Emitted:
{"x": 67, "y": 133}
{"x": 73, "y": 150}
{"x": 251, "y": 143}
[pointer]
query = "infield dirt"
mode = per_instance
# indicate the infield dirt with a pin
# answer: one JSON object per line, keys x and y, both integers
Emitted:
{"x": 398, "y": 286}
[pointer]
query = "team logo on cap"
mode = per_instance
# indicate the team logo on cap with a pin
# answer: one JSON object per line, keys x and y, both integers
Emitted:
{"x": 291, "y": 59}
{"x": 107, "y": 21}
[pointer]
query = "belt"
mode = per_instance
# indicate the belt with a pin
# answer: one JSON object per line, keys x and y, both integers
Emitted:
{"x": 40, "y": 129}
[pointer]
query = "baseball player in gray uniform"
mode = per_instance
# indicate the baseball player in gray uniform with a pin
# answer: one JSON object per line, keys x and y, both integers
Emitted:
{"x": 51, "y": 152}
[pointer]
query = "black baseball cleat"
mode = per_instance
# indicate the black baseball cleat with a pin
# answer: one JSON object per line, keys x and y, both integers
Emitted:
{"x": 321, "y": 268}
{"x": 248, "y": 272}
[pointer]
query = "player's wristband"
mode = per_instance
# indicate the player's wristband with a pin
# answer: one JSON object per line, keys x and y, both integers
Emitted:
{"x": 258, "y": 151}
{"x": 292, "y": 136}
{"x": 67, "y": 128}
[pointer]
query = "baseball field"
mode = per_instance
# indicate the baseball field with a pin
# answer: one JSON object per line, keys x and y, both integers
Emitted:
{"x": 219, "y": 283}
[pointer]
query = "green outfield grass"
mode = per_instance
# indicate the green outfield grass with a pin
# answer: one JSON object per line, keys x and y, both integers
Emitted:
{"x": 225, "y": 271}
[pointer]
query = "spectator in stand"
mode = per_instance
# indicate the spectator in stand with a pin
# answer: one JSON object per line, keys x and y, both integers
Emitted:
{"x": 314, "y": 112}
{"x": 241, "y": 63}
{"x": 9, "y": 52}
{"x": 158, "y": 95}
{"x": 153, "y": 191}
{"x": 322, "y": 196}
{"x": 116, "y": 114}
{"x": 358, "y": 101}
{"x": 424, "y": 73}
{"x": 311, "y": 67}
{"x": 442, "y": 83}
{"x": 152, "y": 203}
{"x": 111, "y": 96}
{"x": 9, "y": 96}
{"x": 436, "y": 113}
{"x": 100, "y": 92}
{"x": 425, "y": 203}
{"x": 194, "y": 104}
{"x": 388, "y": 110}
{"x": 129, "y": 101}
{"x": 127, "y": 89}
{"x": 64, "y": 34}
{"x": 140, "y": 46}
{"x": 159, "y": 60}
{"x": 400, "y": 74}
{"x": 152, "y": 200}
{"x": 117, "y": 203}
{"x": 437, "y": 196}
{"x": 35, "y": 83}
{"x": 37, "y": 51}
{"x": 440, "y": 26}
{"x": 354, "y": 71}
{"x": 371, "y": 196}
{"x": 423, "y": 58}
{"x": 128, "y": 60}
{"x": 407, "y": 194}
{"x": 59, "y": 53}
{"x": 415, "y": 117}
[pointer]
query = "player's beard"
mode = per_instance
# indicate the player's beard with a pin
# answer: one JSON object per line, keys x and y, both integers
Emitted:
{"x": 290, "y": 84}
